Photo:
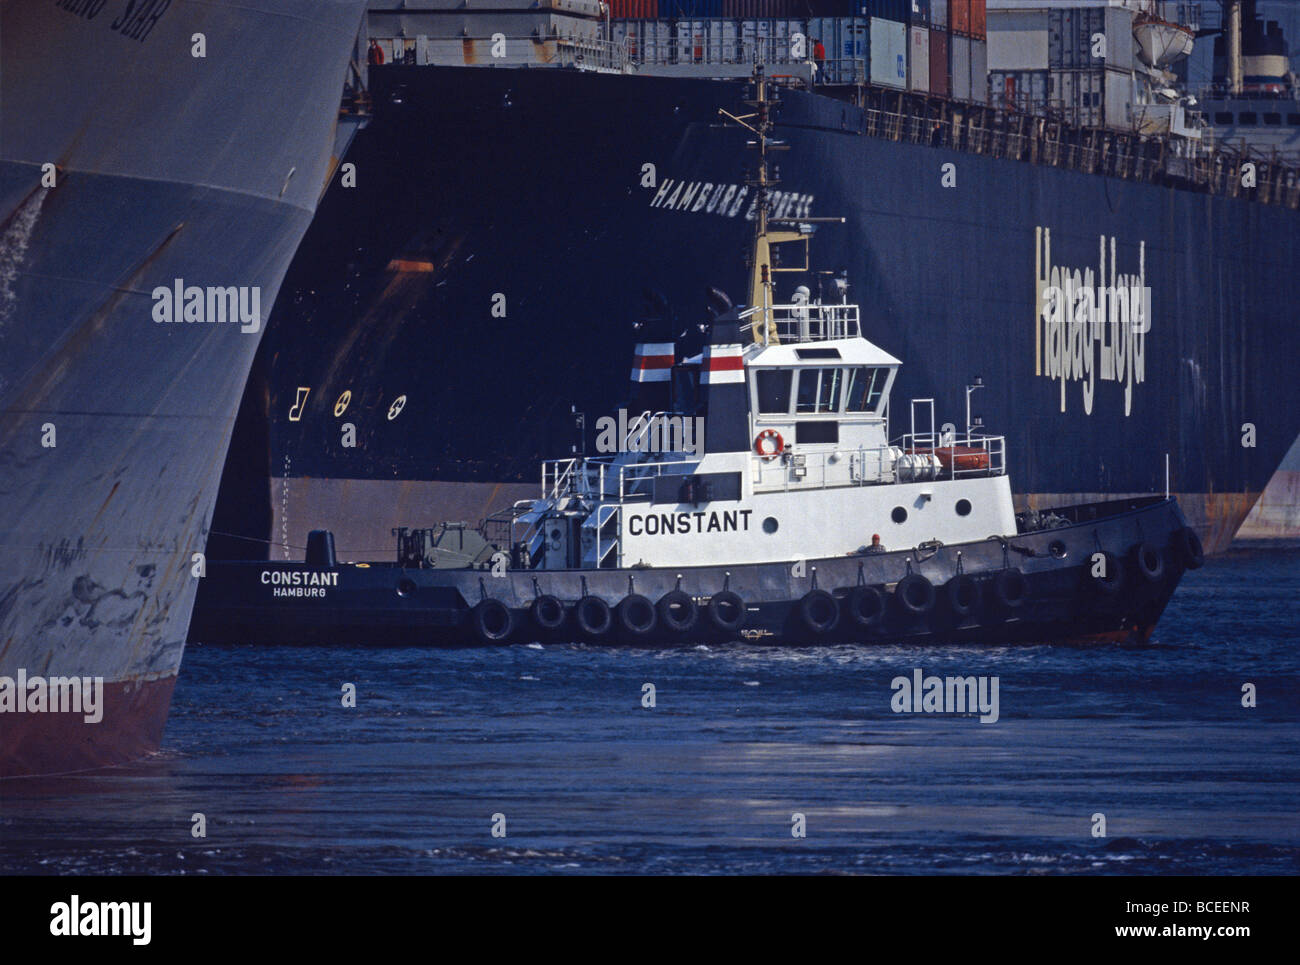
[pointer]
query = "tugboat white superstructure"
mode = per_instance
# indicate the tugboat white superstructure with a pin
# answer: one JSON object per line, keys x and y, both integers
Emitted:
{"x": 795, "y": 459}
{"x": 761, "y": 493}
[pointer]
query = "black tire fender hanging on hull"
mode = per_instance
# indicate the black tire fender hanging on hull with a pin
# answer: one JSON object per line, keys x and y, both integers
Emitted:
{"x": 1149, "y": 562}
{"x": 492, "y": 621}
{"x": 1189, "y": 547}
{"x": 819, "y": 611}
{"x": 677, "y": 611}
{"x": 915, "y": 594}
{"x": 593, "y": 616}
{"x": 636, "y": 615}
{"x": 963, "y": 594}
{"x": 547, "y": 612}
{"x": 1010, "y": 588}
{"x": 866, "y": 606}
{"x": 1111, "y": 579}
{"x": 727, "y": 611}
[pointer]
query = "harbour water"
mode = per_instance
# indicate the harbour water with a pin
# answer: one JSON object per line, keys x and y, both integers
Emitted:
{"x": 552, "y": 745}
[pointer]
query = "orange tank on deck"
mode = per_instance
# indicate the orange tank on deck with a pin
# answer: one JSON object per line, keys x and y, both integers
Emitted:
{"x": 966, "y": 458}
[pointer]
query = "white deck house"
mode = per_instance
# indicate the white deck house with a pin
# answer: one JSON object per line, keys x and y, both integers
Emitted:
{"x": 820, "y": 476}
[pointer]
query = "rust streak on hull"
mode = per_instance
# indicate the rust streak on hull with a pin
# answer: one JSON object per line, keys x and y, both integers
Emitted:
{"x": 134, "y": 714}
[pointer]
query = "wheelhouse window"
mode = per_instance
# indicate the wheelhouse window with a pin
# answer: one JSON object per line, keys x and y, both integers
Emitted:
{"x": 818, "y": 390}
{"x": 865, "y": 385}
{"x": 774, "y": 391}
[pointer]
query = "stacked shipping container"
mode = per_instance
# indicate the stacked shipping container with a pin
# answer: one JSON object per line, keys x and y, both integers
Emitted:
{"x": 888, "y": 53}
{"x": 634, "y": 9}
{"x": 1075, "y": 63}
{"x": 904, "y": 44}
{"x": 967, "y": 18}
{"x": 939, "y": 63}
{"x": 847, "y": 41}
{"x": 918, "y": 59}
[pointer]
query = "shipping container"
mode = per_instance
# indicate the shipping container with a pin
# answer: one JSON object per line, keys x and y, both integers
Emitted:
{"x": 766, "y": 9}
{"x": 899, "y": 11}
{"x": 959, "y": 66}
{"x": 968, "y": 17}
{"x": 1078, "y": 94}
{"x": 1091, "y": 37}
{"x": 888, "y": 53}
{"x": 847, "y": 41}
{"x": 633, "y": 9}
{"x": 1019, "y": 91}
{"x": 1019, "y": 40}
{"x": 692, "y": 41}
{"x": 1076, "y": 38}
{"x": 1121, "y": 45}
{"x": 770, "y": 41}
{"x": 979, "y": 70}
{"x": 918, "y": 59}
{"x": 1119, "y": 98}
{"x": 621, "y": 34}
{"x": 939, "y": 62}
{"x": 693, "y": 9}
{"x": 938, "y": 13}
{"x": 918, "y": 13}
{"x": 647, "y": 41}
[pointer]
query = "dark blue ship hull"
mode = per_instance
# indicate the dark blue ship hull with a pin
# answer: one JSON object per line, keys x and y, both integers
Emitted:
{"x": 487, "y": 268}
{"x": 1035, "y": 587}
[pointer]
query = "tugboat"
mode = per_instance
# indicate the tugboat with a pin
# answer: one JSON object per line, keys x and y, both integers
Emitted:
{"x": 761, "y": 495}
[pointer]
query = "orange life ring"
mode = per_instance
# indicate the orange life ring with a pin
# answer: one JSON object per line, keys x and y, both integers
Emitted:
{"x": 769, "y": 436}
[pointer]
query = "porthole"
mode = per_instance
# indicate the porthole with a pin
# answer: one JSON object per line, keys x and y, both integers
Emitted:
{"x": 899, "y": 515}
{"x": 770, "y": 525}
{"x": 963, "y": 507}
{"x": 405, "y": 587}
{"x": 1057, "y": 549}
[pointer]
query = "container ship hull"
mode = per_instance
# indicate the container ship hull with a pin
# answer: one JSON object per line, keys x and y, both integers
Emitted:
{"x": 500, "y": 218}
{"x": 128, "y": 164}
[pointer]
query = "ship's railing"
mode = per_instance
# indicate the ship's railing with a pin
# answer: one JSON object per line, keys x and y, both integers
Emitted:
{"x": 1258, "y": 94}
{"x": 591, "y": 54}
{"x": 980, "y": 128}
{"x": 911, "y": 459}
{"x": 711, "y": 47}
{"x": 612, "y": 476}
{"x": 636, "y": 480}
{"x": 842, "y": 70}
{"x": 956, "y": 451}
{"x": 552, "y": 50}
{"x": 558, "y": 477}
{"x": 803, "y": 323}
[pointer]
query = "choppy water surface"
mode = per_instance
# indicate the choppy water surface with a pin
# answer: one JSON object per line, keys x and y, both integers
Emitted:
{"x": 556, "y": 739}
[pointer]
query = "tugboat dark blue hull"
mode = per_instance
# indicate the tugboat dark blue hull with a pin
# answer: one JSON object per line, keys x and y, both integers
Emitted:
{"x": 1104, "y": 573}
